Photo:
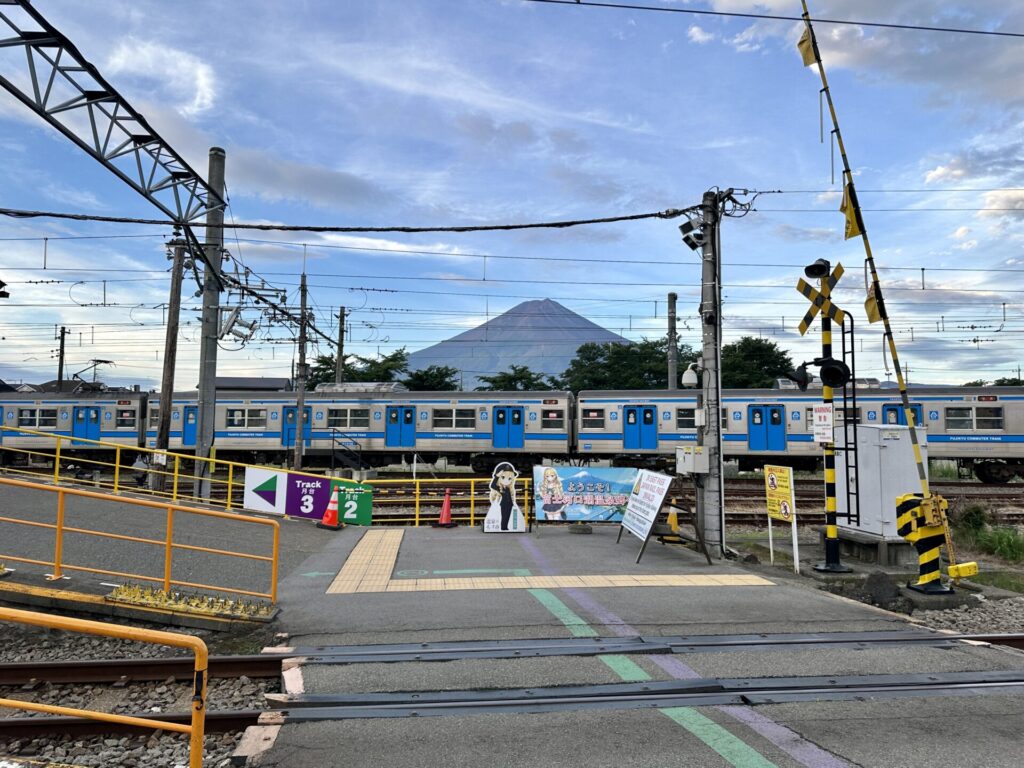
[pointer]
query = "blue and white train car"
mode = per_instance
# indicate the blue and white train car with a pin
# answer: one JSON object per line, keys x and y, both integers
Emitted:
{"x": 114, "y": 417}
{"x": 635, "y": 423}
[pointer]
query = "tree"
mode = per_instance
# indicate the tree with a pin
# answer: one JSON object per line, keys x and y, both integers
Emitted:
{"x": 518, "y": 378}
{"x": 360, "y": 369}
{"x": 433, "y": 378}
{"x": 1009, "y": 381}
{"x": 975, "y": 383}
{"x": 753, "y": 364}
{"x": 641, "y": 365}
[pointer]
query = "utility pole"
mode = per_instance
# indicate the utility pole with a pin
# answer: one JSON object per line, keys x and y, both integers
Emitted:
{"x": 300, "y": 394}
{"x": 60, "y": 360}
{"x": 339, "y": 365}
{"x": 712, "y": 517}
{"x": 673, "y": 344}
{"x": 163, "y": 431}
{"x": 210, "y": 324}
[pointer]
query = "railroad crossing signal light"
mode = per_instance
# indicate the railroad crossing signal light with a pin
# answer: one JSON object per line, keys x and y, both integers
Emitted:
{"x": 800, "y": 376}
{"x": 834, "y": 373}
{"x": 693, "y": 235}
{"x": 817, "y": 270}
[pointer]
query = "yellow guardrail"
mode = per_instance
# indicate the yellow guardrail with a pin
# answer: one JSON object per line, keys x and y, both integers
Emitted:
{"x": 197, "y": 726}
{"x": 167, "y": 544}
{"x": 430, "y": 492}
{"x": 164, "y": 474}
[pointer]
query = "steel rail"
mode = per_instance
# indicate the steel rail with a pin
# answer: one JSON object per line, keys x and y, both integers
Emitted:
{"x": 136, "y": 670}
{"x": 31, "y": 727}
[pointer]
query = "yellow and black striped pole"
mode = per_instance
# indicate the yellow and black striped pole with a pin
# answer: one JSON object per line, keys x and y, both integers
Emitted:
{"x": 831, "y": 564}
{"x": 925, "y": 528}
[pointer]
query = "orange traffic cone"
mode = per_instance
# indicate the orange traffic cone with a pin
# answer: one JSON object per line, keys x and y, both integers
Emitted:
{"x": 445, "y": 521}
{"x": 330, "y": 518}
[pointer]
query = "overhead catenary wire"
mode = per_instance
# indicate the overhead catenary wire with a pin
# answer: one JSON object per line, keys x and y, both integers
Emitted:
{"x": 779, "y": 17}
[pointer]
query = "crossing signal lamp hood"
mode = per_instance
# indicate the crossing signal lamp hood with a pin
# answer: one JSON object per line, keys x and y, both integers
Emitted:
{"x": 692, "y": 235}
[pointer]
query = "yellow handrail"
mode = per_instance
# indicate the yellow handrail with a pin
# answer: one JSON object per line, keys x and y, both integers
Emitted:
{"x": 197, "y": 726}
{"x": 167, "y": 543}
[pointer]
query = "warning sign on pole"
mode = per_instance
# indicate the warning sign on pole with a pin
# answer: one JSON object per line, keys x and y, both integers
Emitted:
{"x": 823, "y": 421}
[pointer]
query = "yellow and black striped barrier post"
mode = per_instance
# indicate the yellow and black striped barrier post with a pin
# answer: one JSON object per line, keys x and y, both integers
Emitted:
{"x": 922, "y": 521}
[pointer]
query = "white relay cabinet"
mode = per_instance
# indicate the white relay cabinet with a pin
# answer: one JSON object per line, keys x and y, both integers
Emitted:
{"x": 885, "y": 459}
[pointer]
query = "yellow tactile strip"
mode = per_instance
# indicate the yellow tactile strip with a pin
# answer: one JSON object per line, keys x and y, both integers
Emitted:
{"x": 369, "y": 566}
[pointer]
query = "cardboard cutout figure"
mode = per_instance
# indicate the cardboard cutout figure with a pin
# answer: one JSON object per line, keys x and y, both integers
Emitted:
{"x": 504, "y": 515}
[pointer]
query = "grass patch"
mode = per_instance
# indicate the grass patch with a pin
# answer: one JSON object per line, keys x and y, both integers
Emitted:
{"x": 943, "y": 469}
{"x": 1011, "y": 580}
{"x": 1006, "y": 543}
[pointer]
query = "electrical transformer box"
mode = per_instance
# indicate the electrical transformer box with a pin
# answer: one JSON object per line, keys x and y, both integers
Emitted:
{"x": 886, "y": 469}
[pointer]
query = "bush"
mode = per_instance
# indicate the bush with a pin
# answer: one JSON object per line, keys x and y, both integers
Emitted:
{"x": 1006, "y": 543}
{"x": 973, "y": 517}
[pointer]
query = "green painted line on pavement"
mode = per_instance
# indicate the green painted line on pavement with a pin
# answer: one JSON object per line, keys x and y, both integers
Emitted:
{"x": 575, "y": 624}
{"x": 732, "y": 749}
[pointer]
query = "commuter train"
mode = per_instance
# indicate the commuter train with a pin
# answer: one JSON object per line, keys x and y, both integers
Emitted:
{"x": 982, "y": 428}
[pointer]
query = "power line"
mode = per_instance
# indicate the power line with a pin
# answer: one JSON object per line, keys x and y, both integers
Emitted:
{"x": 670, "y": 213}
{"x": 776, "y": 17}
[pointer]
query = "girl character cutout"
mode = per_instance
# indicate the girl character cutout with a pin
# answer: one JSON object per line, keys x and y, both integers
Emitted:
{"x": 504, "y": 513}
{"x": 552, "y": 494}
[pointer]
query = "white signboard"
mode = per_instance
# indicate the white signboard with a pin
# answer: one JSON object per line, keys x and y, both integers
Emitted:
{"x": 823, "y": 421}
{"x": 649, "y": 492}
{"x": 265, "y": 490}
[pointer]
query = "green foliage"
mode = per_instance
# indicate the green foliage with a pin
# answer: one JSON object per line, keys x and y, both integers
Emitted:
{"x": 975, "y": 383}
{"x": 1009, "y": 381}
{"x": 1006, "y": 543}
{"x": 362, "y": 369}
{"x": 752, "y": 363}
{"x": 642, "y": 365}
{"x": 518, "y": 378}
{"x": 973, "y": 517}
{"x": 433, "y": 378}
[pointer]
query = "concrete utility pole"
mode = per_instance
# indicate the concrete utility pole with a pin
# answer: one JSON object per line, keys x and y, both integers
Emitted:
{"x": 673, "y": 344}
{"x": 211, "y": 323}
{"x": 301, "y": 374}
{"x": 60, "y": 360}
{"x": 163, "y": 431}
{"x": 339, "y": 365}
{"x": 712, "y": 509}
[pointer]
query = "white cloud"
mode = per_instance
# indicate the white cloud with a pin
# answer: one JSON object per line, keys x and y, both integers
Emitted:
{"x": 967, "y": 245}
{"x": 1004, "y": 202}
{"x": 961, "y": 232}
{"x": 949, "y": 172}
{"x": 699, "y": 36}
{"x": 189, "y": 81}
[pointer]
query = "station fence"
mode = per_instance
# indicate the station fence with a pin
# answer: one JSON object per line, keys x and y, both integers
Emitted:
{"x": 197, "y": 726}
{"x": 167, "y": 544}
{"x": 418, "y": 502}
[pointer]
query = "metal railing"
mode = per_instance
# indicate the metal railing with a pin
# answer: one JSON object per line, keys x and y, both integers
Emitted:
{"x": 119, "y": 467}
{"x": 167, "y": 544}
{"x": 195, "y": 729}
{"x": 430, "y": 492}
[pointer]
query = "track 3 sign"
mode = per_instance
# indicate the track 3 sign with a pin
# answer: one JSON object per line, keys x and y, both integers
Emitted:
{"x": 297, "y": 495}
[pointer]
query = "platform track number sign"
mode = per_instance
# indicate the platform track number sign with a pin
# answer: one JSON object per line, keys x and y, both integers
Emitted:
{"x": 299, "y": 495}
{"x": 780, "y": 495}
{"x": 355, "y": 503}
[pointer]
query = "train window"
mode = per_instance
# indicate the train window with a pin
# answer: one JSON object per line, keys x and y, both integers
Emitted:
{"x": 242, "y": 418}
{"x": 393, "y": 416}
{"x": 809, "y": 418}
{"x": 499, "y": 416}
{"x": 988, "y": 418}
{"x": 775, "y": 416}
{"x": 725, "y": 418}
{"x": 27, "y": 417}
{"x": 337, "y": 417}
{"x": 47, "y": 417}
{"x": 455, "y": 418}
{"x": 552, "y": 419}
{"x": 408, "y": 415}
{"x": 359, "y": 417}
{"x": 154, "y": 418}
{"x": 648, "y": 415}
{"x": 686, "y": 418}
{"x": 631, "y": 417}
{"x": 125, "y": 418}
{"x": 959, "y": 418}
{"x": 342, "y": 418}
{"x": 756, "y": 417}
{"x": 846, "y": 414}
{"x": 593, "y": 418}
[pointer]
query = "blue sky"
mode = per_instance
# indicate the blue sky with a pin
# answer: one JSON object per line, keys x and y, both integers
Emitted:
{"x": 441, "y": 112}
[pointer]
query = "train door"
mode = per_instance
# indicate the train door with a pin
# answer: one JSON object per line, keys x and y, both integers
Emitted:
{"x": 639, "y": 427}
{"x": 893, "y": 413}
{"x": 86, "y": 422}
{"x": 400, "y": 431}
{"x": 189, "y": 425}
{"x": 290, "y": 427}
{"x": 507, "y": 427}
{"x": 766, "y": 428}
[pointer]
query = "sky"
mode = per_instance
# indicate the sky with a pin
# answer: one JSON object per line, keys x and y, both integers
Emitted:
{"x": 472, "y": 112}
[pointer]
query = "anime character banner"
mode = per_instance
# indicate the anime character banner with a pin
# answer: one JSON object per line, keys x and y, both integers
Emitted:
{"x": 591, "y": 494}
{"x": 504, "y": 514}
